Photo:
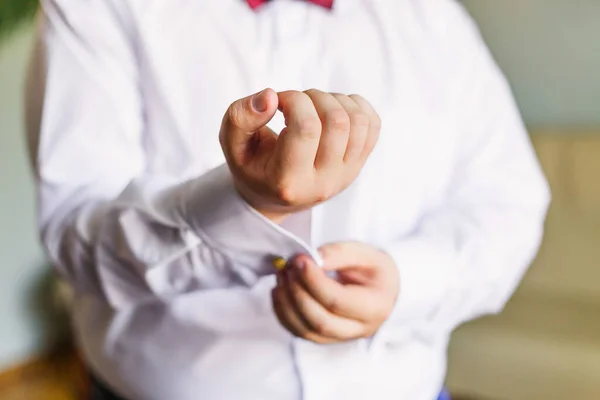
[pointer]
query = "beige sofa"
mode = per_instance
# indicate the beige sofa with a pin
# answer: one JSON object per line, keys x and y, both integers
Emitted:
{"x": 546, "y": 344}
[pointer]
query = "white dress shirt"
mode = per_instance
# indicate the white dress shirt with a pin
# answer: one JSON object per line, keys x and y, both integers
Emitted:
{"x": 172, "y": 269}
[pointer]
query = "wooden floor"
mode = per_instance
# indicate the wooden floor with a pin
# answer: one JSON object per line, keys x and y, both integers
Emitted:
{"x": 57, "y": 376}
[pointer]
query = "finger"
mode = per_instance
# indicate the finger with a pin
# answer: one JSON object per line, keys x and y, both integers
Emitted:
{"x": 346, "y": 301}
{"x": 298, "y": 142}
{"x": 336, "y": 129}
{"x": 243, "y": 119}
{"x": 350, "y": 255}
{"x": 289, "y": 318}
{"x": 356, "y": 276}
{"x": 360, "y": 266}
{"x": 319, "y": 319}
{"x": 359, "y": 127}
{"x": 281, "y": 313}
{"x": 284, "y": 309}
{"x": 374, "y": 125}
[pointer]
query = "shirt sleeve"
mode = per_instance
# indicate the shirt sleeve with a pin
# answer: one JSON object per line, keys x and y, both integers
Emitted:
{"x": 467, "y": 256}
{"x": 110, "y": 227}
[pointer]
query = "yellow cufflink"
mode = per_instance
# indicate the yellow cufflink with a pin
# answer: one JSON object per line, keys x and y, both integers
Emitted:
{"x": 279, "y": 263}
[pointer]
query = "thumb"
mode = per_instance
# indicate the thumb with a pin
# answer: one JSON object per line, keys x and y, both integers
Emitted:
{"x": 350, "y": 256}
{"x": 354, "y": 263}
{"x": 246, "y": 116}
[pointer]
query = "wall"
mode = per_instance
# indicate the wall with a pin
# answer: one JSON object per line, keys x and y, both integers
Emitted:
{"x": 25, "y": 324}
{"x": 550, "y": 50}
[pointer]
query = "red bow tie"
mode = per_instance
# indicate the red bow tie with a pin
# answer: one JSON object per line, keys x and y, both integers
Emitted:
{"x": 254, "y": 4}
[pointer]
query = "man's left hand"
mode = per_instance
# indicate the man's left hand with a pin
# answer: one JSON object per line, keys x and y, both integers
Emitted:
{"x": 318, "y": 308}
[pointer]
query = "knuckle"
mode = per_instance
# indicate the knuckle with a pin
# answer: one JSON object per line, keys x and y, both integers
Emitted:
{"x": 309, "y": 126}
{"x": 308, "y": 276}
{"x": 361, "y": 101}
{"x": 338, "y": 120}
{"x": 235, "y": 115}
{"x": 312, "y": 91}
{"x": 286, "y": 193}
{"x": 359, "y": 119}
{"x": 323, "y": 194}
{"x": 333, "y": 305}
{"x": 321, "y": 327}
{"x": 320, "y": 196}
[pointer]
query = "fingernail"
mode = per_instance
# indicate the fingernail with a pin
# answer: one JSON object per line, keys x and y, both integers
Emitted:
{"x": 259, "y": 102}
{"x": 300, "y": 264}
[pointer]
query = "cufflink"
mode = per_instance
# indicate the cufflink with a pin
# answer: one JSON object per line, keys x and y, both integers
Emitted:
{"x": 279, "y": 263}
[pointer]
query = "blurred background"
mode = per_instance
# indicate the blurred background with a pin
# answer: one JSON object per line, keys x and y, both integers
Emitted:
{"x": 545, "y": 345}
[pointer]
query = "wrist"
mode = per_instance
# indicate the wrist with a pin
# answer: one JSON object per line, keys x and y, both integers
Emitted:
{"x": 272, "y": 213}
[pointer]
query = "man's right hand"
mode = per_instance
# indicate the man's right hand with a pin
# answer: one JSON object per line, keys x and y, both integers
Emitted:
{"x": 327, "y": 139}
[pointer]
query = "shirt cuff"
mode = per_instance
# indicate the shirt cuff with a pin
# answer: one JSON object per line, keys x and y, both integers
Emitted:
{"x": 224, "y": 221}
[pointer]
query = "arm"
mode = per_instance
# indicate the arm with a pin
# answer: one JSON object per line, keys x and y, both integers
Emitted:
{"x": 466, "y": 258}
{"x": 110, "y": 227}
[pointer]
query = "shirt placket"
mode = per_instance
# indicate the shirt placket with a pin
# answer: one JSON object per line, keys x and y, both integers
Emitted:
{"x": 324, "y": 371}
